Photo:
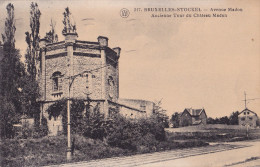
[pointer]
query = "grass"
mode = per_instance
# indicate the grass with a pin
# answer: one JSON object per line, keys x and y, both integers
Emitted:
{"x": 216, "y": 135}
{"x": 52, "y": 150}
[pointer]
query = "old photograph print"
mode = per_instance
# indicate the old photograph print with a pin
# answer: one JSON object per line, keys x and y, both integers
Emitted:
{"x": 130, "y": 83}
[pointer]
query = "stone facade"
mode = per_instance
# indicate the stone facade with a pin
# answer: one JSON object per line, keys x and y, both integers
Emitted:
{"x": 247, "y": 117}
{"x": 91, "y": 68}
{"x": 143, "y": 105}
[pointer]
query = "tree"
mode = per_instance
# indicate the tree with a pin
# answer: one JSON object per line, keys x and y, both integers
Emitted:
{"x": 160, "y": 114}
{"x": 175, "y": 120}
{"x": 51, "y": 36}
{"x": 210, "y": 120}
{"x": 32, "y": 40}
{"x": 8, "y": 37}
{"x": 224, "y": 120}
{"x": 11, "y": 67}
{"x": 10, "y": 80}
{"x": 8, "y": 117}
{"x": 233, "y": 119}
{"x": 32, "y": 59}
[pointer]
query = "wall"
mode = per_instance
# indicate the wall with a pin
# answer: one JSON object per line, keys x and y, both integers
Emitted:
{"x": 185, "y": 119}
{"x": 203, "y": 117}
{"x": 143, "y": 105}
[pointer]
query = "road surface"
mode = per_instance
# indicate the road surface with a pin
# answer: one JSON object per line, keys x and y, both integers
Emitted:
{"x": 217, "y": 154}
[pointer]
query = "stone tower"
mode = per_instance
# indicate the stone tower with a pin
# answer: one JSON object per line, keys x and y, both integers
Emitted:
{"x": 90, "y": 67}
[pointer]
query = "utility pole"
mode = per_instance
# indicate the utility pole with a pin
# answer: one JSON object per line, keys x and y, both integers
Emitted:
{"x": 247, "y": 100}
{"x": 247, "y": 123}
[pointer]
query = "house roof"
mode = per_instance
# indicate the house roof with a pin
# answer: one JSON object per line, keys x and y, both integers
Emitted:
{"x": 194, "y": 112}
{"x": 246, "y": 109}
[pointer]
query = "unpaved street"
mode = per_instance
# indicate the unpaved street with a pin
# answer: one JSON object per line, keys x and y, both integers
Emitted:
{"x": 218, "y": 154}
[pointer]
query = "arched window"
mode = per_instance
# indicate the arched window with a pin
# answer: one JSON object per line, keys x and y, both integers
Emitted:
{"x": 111, "y": 85}
{"x": 56, "y": 82}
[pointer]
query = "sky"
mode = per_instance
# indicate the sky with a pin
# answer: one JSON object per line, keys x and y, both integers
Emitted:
{"x": 187, "y": 62}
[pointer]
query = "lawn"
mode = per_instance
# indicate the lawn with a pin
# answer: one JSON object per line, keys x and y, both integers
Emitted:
{"x": 52, "y": 150}
{"x": 213, "y": 133}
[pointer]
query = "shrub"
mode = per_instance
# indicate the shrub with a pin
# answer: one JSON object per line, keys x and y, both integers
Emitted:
{"x": 76, "y": 110}
{"x": 30, "y": 131}
{"x": 94, "y": 124}
{"x": 134, "y": 134}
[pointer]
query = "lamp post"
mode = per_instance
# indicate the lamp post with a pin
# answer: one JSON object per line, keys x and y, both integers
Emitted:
{"x": 71, "y": 80}
{"x": 69, "y": 151}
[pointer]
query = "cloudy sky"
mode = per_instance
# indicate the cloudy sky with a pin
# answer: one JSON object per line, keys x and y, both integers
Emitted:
{"x": 187, "y": 62}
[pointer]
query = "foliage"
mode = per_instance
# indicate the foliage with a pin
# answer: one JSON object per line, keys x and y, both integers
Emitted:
{"x": 8, "y": 117}
{"x": 134, "y": 134}
{"x": 48, "y": 151}
{"x": 233, "y": 119}
{"x": 175, "y": 120}
{"x": 51, "y": 36}
{"x": 27, "y": 130}
{"x": 32, "y": 40}
{"x": 31, "y": 91}
{"x": 94, "y": 124}
{"x": 160, "y": 114}
{"x": 10, "y": 29}
{"x": 59, "y": 108}
{"x": 12, "y": 70}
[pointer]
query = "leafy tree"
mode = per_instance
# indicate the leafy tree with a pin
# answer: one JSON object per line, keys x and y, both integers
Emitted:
{"x": 224, "y": 120}
{"x": 8, "y": 37}
{"x": 59, "y": 108}
{"x": 51, "y": 36}
{"x": 233, "y": 119}
{"x": 160, "y": 114}
{"x": 12, "y": 70}
{"x": 175, "y": 120}
{"x": 32, "y": 40}
{"x": 31, "y": 92}
{"x": 8, "y": 117}
{"x": 210, "y": 120}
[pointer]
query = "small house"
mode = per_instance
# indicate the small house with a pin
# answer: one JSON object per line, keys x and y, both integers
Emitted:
{"x": 191, "y": 117}
{"x": 247, "y": 117}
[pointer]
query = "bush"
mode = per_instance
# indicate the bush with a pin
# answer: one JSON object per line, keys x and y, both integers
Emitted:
{"x": 94, "y": 124}
{"x": 30, "y": 131}
{"x": 76, "y": 109}
{"x": 134, "y": 134}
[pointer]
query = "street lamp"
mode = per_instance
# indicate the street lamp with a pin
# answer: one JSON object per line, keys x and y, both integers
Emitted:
{"x": 71, "y": 80}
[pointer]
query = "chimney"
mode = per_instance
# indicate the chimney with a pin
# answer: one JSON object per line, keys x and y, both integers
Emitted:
{"x": 70, "y": 37}
{"x": 103, "y": 41}
{"x": 117, "y": 50}
{"x": 43, "y": 42}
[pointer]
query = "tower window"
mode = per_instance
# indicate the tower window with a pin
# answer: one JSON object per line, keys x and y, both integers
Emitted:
{"x": 143, "y": 107}
{"x": 89, "y": 83}
{"x": 56, "y": 82}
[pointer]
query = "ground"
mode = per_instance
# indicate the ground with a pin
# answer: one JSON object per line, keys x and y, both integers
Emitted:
{"x": 235, "y": 154}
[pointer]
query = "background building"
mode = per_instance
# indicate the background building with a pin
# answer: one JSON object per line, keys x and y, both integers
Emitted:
{"x": 193, "y": 117}
{"x": 247, "y": 117}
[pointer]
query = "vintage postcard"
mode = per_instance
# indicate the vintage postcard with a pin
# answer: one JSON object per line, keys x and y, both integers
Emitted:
{"x": 130, "y": 83}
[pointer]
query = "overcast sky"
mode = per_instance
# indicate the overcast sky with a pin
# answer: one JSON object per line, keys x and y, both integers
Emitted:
{"x": 188, "y": 62}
